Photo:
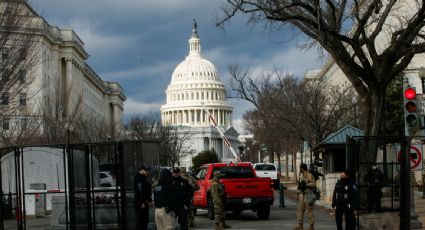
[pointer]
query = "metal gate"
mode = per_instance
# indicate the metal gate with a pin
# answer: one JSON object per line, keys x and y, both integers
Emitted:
{"x": 79, "y": 186}
{"x": 388, "y": 154}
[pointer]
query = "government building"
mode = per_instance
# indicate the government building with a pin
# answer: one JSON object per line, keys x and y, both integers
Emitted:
{"x": 196, "y": 87}
{"x": 60, "y": 85}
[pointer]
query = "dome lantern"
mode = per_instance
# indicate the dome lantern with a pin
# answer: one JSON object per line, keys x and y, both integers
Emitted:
{"x": 194, "y": 41}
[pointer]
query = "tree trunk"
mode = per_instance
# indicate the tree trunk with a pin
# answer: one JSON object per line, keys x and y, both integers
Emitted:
{"x": 375, "y": 112}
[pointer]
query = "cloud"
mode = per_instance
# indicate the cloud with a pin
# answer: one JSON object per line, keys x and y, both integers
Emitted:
{"x": 133, "y": 107}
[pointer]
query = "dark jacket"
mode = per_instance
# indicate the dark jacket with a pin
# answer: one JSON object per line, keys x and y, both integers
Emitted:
{"x": 142, "y": 190}
{"x": 182, "y": 191}
{"x": 163, "y": 194}
{"x": 345, "y": 194}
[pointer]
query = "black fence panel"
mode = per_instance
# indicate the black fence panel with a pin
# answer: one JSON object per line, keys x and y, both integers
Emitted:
{"x": 82, "y": 186}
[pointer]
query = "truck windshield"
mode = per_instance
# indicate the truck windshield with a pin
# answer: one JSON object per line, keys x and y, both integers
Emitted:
{"x": 265, "y": 167}
{"x": 236, "y": 172}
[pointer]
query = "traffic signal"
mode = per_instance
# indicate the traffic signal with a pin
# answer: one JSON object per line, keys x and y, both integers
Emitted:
{"x": 410, "y": 107}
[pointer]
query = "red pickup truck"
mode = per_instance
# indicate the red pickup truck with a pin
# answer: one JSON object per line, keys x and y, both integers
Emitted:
{"x": 243, "y": 190}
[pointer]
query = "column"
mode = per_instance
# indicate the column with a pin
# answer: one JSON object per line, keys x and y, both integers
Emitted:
{"x": 202, "y": 117}
{"x": 219, "y": 117}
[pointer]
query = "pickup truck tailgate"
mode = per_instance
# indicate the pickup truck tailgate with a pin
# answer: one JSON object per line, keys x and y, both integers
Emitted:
{"x": 248, "y": 187}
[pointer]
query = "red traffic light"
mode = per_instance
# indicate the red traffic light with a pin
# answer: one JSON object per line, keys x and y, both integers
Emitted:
{"x": 410, "y": 93}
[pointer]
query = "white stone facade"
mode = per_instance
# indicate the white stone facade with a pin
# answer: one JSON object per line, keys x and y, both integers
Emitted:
{"x": 62, "y": 71}
{"x": 195, "y": 82}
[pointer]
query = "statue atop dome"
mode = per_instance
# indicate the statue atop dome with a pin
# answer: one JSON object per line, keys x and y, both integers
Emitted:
{"x": 195, "y": 29}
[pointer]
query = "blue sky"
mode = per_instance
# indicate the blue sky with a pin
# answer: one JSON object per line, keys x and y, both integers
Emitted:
{"x": 138, "y": 43}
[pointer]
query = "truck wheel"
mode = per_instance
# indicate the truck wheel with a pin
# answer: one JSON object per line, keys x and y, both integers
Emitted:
{"x": 263, "y": 212}
{"x": 210, "y": 208}
{"x": 236, "y": 212}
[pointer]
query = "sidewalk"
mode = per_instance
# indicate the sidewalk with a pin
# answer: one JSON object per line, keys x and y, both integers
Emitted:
{"x": 372, "y": 221}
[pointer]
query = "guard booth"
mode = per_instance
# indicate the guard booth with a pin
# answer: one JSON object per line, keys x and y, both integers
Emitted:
{"x": 334, "y": 155}
{"x": 58, "y": 187}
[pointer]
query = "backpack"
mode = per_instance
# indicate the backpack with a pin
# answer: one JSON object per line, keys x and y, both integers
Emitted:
{"x": 316, "y": 174}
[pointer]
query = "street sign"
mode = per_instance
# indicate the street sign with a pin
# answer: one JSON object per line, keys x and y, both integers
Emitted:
{"x": 415, "y": 157}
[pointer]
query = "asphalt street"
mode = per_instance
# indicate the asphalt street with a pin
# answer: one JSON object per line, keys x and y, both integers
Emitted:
{"x": 280, "y": 218}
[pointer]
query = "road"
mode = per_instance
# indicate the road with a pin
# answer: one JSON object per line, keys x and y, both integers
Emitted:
{"x": 280, "y": 218}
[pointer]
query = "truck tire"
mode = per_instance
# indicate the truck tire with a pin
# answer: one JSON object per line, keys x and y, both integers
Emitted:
{"x": 263, "y": 212}
{"x": 236, "y": 212}
{"x": 210, "y": 208}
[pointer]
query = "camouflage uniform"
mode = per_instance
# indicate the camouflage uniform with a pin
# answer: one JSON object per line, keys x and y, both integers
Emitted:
{"x": 217, "y": 195}
{"x": 303, "y": 205}
{"x": 192, "y": 181}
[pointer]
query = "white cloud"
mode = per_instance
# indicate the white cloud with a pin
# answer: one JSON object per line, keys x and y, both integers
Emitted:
{"x": 133, "y": 107}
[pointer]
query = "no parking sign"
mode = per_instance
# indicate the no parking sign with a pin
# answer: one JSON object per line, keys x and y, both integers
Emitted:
{"x": 415, "y": 157}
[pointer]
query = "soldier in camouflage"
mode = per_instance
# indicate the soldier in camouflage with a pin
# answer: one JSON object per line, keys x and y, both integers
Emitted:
{"x": 193, "y": 182}
{"x": 217, "y": 194}
{"x": 306, "y": 198}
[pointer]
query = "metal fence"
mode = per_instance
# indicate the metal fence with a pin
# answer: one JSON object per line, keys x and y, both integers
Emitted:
{"x": 79, "y": 186}
{"x": 388, "y": 154}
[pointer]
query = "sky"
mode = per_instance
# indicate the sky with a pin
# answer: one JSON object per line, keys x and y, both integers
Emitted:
{"x": 138, "y": 43}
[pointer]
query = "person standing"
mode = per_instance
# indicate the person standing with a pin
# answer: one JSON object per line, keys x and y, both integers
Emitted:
{"x": 345, "y": 202}
{"x": 217, "y": 195}
{"x": 182, "y": 192}
{"x": 374, "y": 180}
{"x": 195, "y": 187}
{"x": 164, "y": 202}
{"x": 142, "y": 197}
{"x": 306, "y": 198}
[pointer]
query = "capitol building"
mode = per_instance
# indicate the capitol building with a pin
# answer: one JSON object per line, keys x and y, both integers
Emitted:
{"x": 195, "y": 87}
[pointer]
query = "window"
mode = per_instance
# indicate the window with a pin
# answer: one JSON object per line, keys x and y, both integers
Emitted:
{"x": 265, "y": 167}
{"x": 201, "y": 173}
{"x": 5, "y": 123}
{"x": 235, "y": 172}
{"x": 4, "y": 53}
{"x": 23, "y": 99}
{"x": 5, "y": 99}
{"x": 22, "y": 76}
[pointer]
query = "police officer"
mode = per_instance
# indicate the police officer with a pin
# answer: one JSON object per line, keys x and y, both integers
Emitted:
{"x": 164, "y": 202}
{"x": 345, "y": 202}
{"x": 182, "y": 192}
{"x": 217, "y": 195}
{"x": 142, "y": 197}
{"x": 194, "y": 183}
{"x": 306, "y": 198}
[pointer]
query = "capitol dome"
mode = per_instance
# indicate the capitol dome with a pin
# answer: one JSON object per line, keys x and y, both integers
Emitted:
{"x": 196, "y": 82}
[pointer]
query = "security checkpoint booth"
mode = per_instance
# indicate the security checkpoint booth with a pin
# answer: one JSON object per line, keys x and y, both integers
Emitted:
{"x": 334, "y": 156}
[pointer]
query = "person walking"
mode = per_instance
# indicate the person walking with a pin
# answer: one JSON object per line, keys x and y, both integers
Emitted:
{"x": 182, "y": 192}
{"x": 217, "y": 195}
{"x": 374, "y": 180}
{"x": 164, "y": 202}
{"x": 306, "y": 198}
{"x": 345, "y": 202}
{"x": 195, "y": 187}
{"x": 142, "y": 197}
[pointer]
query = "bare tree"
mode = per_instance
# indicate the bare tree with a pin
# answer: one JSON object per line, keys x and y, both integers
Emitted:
{"x": 18, "y": 58}
{"x": 288, "y": 111}
{"x": 173, "y": 142}
{"x": 60, "y": 119}
{"x": 383, "y": 39}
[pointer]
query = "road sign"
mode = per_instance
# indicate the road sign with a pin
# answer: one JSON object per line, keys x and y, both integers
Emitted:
{"x": 415, "y": 157}
{"x": 420, "y": 99}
